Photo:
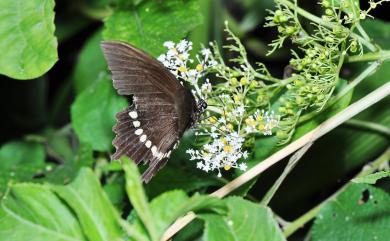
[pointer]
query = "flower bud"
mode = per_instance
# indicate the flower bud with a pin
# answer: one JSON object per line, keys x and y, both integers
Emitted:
{"x": 234, "y": 81}
{"x": 243, "y": 81}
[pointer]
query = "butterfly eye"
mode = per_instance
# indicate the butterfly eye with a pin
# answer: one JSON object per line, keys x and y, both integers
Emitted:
{"x": 202, "y": 105}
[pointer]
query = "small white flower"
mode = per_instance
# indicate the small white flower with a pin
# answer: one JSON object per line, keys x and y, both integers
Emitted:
{"x": 161, "y": 58}
{"x": 169, "y": 44}
{"x": 183, "y": 45}
{"x": 206, "y": 52}
{"x": 243, "y": 166}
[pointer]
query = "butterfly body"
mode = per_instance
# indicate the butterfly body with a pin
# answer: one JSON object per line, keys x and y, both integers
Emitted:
{"x": 162, "y": 109}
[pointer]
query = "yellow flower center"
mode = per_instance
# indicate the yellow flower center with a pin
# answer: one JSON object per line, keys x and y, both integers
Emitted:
{"x": 229, "y": 126}
{"x": 228, "y": 149}
{"x": 182, "y": 69}
{"x": 227, "y": 167}
{"x": 181, "y": 57}
{"x": 261, "y": 127}
{"x": 250, "y": 122}
{"x": 213, "y": 119}
{"x": 259, "y": 118}
{"x": 199, "y": 67}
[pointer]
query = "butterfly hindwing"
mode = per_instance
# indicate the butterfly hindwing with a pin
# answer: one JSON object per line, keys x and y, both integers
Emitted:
{"x": 147, "y": 130}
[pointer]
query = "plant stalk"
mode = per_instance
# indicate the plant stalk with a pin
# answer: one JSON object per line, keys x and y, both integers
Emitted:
{"x": 371, "y": 126}
{"x": 382, "y": 55}
{"x": 292, "y": 162}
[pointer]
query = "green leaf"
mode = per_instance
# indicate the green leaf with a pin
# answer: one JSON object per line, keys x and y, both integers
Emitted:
{"x": 90, "y": 63}
{"x": 20, "y": 161}
{"x": 137, "y": 196}
{"x": 93, "y": 114}
{"x": 378, "y": 30}
{"x": 27, "y": 41}
{"x": 360, "y": 213}
{"x": 245, "y": 221}
{"x": 372, "y": 178}
{"x": 152, "y": 23}
{"x": 32, "y": 212}
{"x": 79, "y": 211}
{"x": 86, "y": 198}
{"x": 69, "y": 168}
{"x": 169, "y": 206}
{"x": 179, "y": 177}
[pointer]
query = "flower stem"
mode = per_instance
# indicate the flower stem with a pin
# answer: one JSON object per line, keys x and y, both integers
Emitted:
{"x": 382, "y": 55}
{"x": 367, "y": 169}
{"x": 290, "y": 166}
{"x": 326, "y": 24}
{"x": 371, "y": 126}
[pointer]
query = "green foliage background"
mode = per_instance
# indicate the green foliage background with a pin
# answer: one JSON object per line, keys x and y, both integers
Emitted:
{"x": 56, "y": 180}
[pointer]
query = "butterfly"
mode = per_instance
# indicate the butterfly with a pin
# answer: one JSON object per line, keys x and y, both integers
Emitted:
{"x": 162, "y": 110}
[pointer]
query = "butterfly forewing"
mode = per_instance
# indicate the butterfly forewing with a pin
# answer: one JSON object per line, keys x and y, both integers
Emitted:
{"x": 147, "y": 130}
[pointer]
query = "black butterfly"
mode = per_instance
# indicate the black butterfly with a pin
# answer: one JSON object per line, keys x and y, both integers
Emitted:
{"x": 162, "y": 108}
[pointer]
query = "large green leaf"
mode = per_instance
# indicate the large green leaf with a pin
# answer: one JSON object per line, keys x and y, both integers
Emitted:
{"x": 79, "y": 211}
{"x": 27, "y": 41}
{"x": 152, "y": 23}
{"x": 169, "y": 206}
{"x": 68, "y": 169}
{"x": 179, "y": 177}
{"x": 90, "y": 64}
{"x": 94, "y": 211}
{"x": 245, "y": 221}
{"x": 20, "y": 161}
{"x": 138, "y": 198}
{"x": 360, "y": 213}
{"x": 93, "y": 114}
{"x": 32, "y": 212}
{"x": 164, "y": 209}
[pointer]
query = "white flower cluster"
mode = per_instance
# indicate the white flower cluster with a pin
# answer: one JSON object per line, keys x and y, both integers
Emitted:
{"x": 261, "y": 121}
{"x": 230, "y": 120}
{"x": 176, "y": 60}
{"x": 222, "y": 152}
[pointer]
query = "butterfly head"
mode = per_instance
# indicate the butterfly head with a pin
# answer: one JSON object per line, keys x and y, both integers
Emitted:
{"x": 200, "y": 107}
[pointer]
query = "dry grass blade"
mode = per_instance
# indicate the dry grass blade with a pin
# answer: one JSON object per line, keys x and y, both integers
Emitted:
{"x": 313, "y": 135}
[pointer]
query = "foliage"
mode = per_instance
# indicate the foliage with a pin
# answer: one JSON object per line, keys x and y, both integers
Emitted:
{"x": 359, "y": 205}
{"x": 30, "y": 51}
{"x": 57, "y": 181}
